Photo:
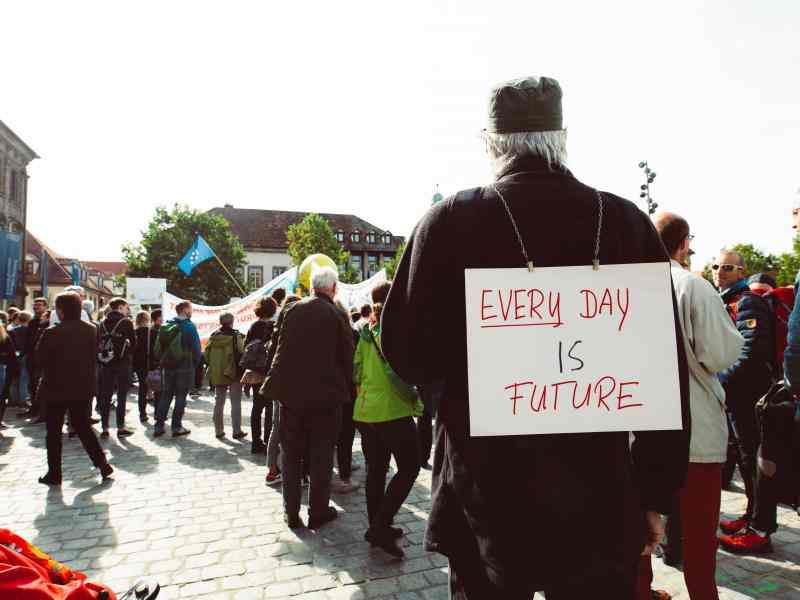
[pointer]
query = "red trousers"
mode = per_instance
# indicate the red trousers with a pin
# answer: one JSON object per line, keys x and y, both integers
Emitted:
{"x": 699, "y": 505}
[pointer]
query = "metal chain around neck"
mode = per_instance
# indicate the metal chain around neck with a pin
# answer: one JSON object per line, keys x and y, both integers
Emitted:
{"x": 528, "y": 261}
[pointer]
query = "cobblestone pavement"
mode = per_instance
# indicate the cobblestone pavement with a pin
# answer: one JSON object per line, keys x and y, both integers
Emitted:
{"x": 195, "y": 512}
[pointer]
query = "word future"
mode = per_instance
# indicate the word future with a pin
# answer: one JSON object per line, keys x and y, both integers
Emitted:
{"x": 571, "y": 350}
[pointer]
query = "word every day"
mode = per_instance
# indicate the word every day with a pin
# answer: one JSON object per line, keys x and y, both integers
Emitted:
{"x": 607, "y": 393}
{"x": 534, "y": 307}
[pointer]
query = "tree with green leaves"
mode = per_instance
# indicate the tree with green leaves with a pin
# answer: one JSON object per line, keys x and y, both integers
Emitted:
{"x": 313, "y": 235}
{"x": 391, "y": 264}
{"x": 168, "y": 237}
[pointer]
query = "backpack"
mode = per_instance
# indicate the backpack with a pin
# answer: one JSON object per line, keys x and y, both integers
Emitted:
{"x": 112, "y": 344}
{"x": 170, "y": 346}
{"x": 781, "y": 302}
{"x": 254, "y": 356}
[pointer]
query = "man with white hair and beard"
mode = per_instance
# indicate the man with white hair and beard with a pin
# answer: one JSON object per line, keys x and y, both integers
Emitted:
{"x": 311, "y": 375}
{"x": 566, "y": 514}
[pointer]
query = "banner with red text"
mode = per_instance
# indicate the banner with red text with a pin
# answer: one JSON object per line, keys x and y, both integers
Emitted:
{"x": 571, "y": 350}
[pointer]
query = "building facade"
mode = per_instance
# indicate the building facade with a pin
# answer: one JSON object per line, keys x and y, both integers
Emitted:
{"x": 263, "y": 235}
{"x": 15, "y": 156}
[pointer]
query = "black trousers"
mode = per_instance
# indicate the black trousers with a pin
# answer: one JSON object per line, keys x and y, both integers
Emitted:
{"x": 141, "y": 375}
{"x": 381, "y": 441}
{"x": 743, "y": 416}
{"x": 114, "y": 377}
{"x": 314, "y": 435}
{"x": 344, "y": 447}
{"x": 79, "y": 420}
{"x": 33, "y": 391}
{"x": 260, "y": 405}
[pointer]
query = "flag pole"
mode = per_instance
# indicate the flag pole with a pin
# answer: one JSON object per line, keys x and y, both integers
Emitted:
{"x": 236, "y": 281}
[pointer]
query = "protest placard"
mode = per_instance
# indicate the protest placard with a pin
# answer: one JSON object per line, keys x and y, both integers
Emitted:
{"x": 571, "y": 350}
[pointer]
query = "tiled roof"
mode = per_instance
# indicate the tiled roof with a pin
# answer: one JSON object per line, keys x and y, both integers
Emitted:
{"x": 266, "y": 229}
{"x": 106, "y": 267}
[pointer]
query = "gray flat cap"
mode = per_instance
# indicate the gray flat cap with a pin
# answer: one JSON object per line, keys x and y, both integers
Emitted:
{"x": 529, "y": 104}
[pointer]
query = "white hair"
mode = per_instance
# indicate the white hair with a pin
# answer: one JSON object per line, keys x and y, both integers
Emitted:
{"x": 324, "y": 278}
{"x": 503, "y": 148}
{"x": 75, "y": 288}
{"x": 88, "y": 306}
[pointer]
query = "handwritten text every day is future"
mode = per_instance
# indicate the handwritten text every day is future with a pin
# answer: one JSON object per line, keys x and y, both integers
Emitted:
{"x": 534, "y": 307}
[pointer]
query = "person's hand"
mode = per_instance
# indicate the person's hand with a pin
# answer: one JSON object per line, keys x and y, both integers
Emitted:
{"x": 768, "y": 467}
{"x": 654, "y": 532}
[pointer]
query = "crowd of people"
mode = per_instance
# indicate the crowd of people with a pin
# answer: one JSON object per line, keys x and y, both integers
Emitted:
{"x": 510, "y": 513}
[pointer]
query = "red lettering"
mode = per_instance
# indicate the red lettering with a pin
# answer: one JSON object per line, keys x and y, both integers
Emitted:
{"x": 557, "y": 386}
{"x": 516, "y": 395}
{"x": 601, "y": 400}
{"x": 534, "y": 310}
{"x": 518, "y": 305}
{"x": 585, "y": 397}
{"x": 542, "y": 399}
{"x": 554, "y": 308}
{"x": 606, "y": 301}
{"x": 589, "y": 314}
{"x": 505, "y": 309}
{"x": 624, "y": 309}
{"x": 621, "y": 395}
{"x": 484, "y": 306}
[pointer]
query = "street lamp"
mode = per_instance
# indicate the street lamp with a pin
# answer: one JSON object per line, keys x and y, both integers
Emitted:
{"x": 650, "y": 177}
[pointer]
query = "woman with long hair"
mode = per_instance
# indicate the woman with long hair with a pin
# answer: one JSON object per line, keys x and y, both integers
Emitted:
{"x": 259, "y": 336}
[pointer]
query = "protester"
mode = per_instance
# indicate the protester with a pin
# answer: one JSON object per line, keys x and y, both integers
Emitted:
{"x": 179, "y": 353}
{"x": 154, "y": 376}
{"x": 117, "y": 347}
{"x": 67, "y": 356}
{"x": 142, "y": 363}
{"x": 712, "y": 344}
{"x": 279, "y": 295}
{"x": 385, "y": 416}
{"x": 366, "y": 313}
{"x": 347, "y": 433}
{"x": 85, "y": 315}
{"x": 254, "y": 360}
{"x": 512, "y": 515}
{"x": 311, "y": 376}
{"x": 19, "y": 335}
{"x": 37, "y": 327}
{"x": 431, "y": 394}
{"x": 9, "y": 369}
{"x": 273, "y": 445}
{"x": 222, "y": 355}
{"x": 749, "y": 378}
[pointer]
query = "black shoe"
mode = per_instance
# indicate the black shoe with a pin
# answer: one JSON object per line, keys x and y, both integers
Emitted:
{"x": 106, "y": 471}
{"x": 427, "y": 466}
{"x": 124, "y": 432}
{"x": 257, "y": 448}
{"x": 294, "y": 522}
{"x": 240, "y": 436}
{"x": 386, "y": 541}
{"x": 395, "y": 533}
{"x": 104, "y": 435}
{"x": 50, "y": 479}
{"x": 315, "y": 522}
{"x": 158, "y": 433}
{"x": 144, "y": 420}
{"x": 220, "y": 435}
{"x": 180, "y": 432}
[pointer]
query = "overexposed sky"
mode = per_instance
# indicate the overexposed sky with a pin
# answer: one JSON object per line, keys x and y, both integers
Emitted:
{"x": 362, "y": 107}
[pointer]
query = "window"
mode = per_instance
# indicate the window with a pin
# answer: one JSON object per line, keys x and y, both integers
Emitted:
{"x": 355, "y": 236}
{"x": 340, "y": 236}
{"x": 278, "y": 271}
{"x": 356, "y": 263}
{"x": 255, "y": 277}
{"x": 3, "y": 163}
{"x": 372, "y": 265}
{"x": 30, "y": 267}
{"x": 12, "y": 192}
{"x": 387, "y": 238}
{"x": 371, "y": 237}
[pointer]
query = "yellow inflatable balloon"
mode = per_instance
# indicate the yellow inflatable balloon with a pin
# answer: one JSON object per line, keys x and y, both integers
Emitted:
{"x": 315, "y": 261}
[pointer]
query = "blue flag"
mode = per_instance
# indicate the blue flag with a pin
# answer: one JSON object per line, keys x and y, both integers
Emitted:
{"x": 199, "y": 252}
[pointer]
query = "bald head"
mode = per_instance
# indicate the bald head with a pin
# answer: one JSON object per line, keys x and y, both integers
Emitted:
{"x": 674, "y": 232}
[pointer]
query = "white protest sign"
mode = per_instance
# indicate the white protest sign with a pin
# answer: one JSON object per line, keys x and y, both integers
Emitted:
{"x": 145, "y": 290}
{"x": 571, "y": 350}
{"x": 356, "y": 295}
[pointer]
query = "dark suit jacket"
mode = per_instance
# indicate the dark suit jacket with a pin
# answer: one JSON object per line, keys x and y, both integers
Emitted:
{"x": 67, "y": 355}
{"x": 313, "y": 366}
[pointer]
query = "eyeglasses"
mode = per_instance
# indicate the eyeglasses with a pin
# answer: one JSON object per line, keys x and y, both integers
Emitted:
{"x": 690, "y": 237}
{"x": 726, "y": 268}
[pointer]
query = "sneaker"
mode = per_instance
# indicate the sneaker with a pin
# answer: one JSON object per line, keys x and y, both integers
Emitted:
{"x": 734, "y": 526}
{"x": 274, "y": 478}
{"x": 180, "y": 432}
{"x": 386, "y": 541}
{"x": 106, "y": 471}
{"x": 315, "y": 521}
{"x": 294, "y": 522}
{"x": 124, "y": 432}
{"x": 344, "y": 486}
{"x": 240, "y": 435}
{"x": 746, "y": 542}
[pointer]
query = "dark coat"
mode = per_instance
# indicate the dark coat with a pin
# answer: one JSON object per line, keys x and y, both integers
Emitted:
{"x": 312, "y": 369}
{"x": 125, "y": 330}
{"x": 143, "y": 351}
{"x": 751, "y": 375}
{"x": 542, "y": 507}
{"x": 36, "y": 329}
{"x": 67, "y": 355}
{"x": 261, "y": 330}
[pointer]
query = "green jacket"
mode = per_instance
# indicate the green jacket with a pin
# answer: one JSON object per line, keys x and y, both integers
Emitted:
{"x": 378, "y": 399}
{"x": 222, "y": 354}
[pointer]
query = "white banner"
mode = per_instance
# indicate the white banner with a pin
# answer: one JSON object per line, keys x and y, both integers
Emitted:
{"x": 571, "y": 350}
{"x": 206, "y": 318}
{"x": 145, "y": 290}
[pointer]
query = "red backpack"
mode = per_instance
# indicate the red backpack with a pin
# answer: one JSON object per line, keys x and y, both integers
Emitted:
{"x": 781, "y": 303}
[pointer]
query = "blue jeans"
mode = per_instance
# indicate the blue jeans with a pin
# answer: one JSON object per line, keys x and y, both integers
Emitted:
{"x": 19, "y": 388}
{"x": 175, "y": 383}
{"x": 114, "y": 376}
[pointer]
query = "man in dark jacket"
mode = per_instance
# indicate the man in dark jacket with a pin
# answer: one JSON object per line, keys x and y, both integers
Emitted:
{"x": 311, "y": 376}
{"x": 116, "y": 333}
{"x": 67, "y": 357}
{"x": 751, "y": 376}
{"x": 39, "y": 323}
{"x": 513, "y": 514}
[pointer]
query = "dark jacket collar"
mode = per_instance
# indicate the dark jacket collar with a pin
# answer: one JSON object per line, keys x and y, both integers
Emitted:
{"x": 531, "y": 164}
{"x": 733, "y": 291}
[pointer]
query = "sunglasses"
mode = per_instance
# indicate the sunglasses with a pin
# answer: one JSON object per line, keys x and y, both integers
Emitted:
{"x": 726, "y": 268}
